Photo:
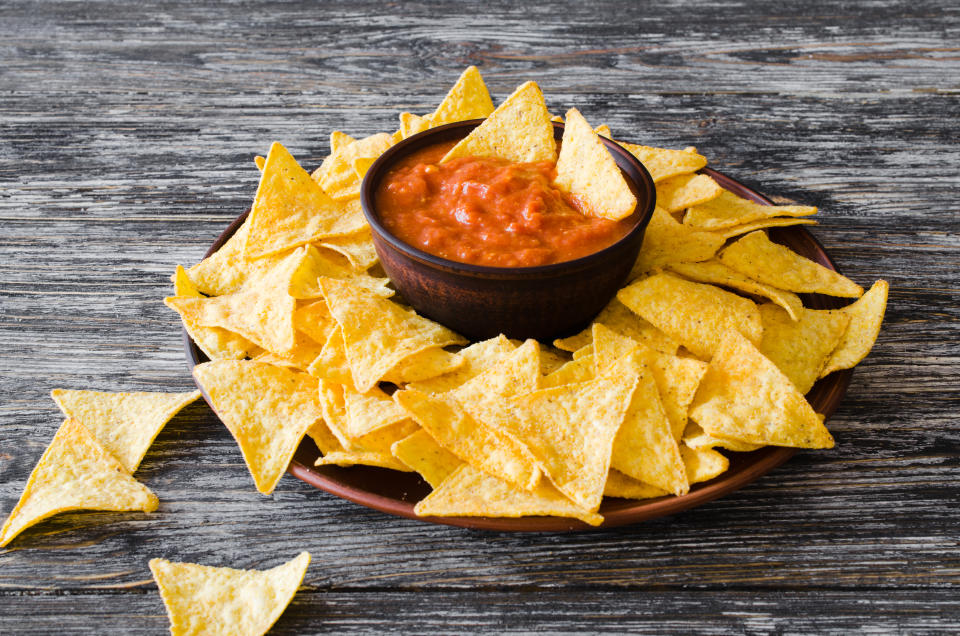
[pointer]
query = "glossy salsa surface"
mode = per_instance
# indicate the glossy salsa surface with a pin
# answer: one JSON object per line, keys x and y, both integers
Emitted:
{"x": 488, "y": 211}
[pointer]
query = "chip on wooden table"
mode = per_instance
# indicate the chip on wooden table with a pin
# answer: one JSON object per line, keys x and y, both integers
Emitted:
{"x": 518, "y": 130}
{"x": 75, "y": 473}
{"x": 587, "y": 171}
{"x": 467, "y": 99}
{"x": 124, "y": 423}
{"x": 206, "y": 600}
{"x": 728, "y": 210}
{"x": 266, "y": 408}
{"x": 866, "y": 315}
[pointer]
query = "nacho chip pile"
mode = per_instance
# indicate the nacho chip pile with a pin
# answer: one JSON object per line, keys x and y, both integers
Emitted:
{"x": 707, "y": 348}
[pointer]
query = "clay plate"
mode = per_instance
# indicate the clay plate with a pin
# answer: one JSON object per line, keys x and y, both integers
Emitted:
{"x": 397, "y": 493}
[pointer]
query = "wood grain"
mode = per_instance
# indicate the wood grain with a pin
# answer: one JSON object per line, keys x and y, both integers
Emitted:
{"x": 127, "y": 133}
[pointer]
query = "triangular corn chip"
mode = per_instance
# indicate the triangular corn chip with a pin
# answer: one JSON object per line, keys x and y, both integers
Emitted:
{"x": 801, "y": 347}
{"x": 518, "y": 130}
{"x": 337, "y": 176}
{"x": 267, "y": 409}
{"x": 314, "y": 319}
{"x": 551, "y": 359}
{"x": 290, "y": 209}
{"x": 474, "y": 360}
{"x": 469, "y": 492}
{"x": 587, "y": 170}
{"x": 217, "y": 343}
{"x": 865, "y": 317}
{"x": 744, "y": 396}
{"x": 468, "y": 99}
{"x": 663, "y": 163}
{"x": 604, "y": 131}
{"x": 579, "y": 370}
{"x": 324, "y": 438}
{"x": 517, "y": 373}
{"x": 334, "y": 409}
{"x": 681, "y": 192}
{"x": 695, "y": 314}
{"x": 423, "y": 454}
{"x": 319, "y": 264}
{"x": 411, "y": 124}
{"x": 746, "y": 228}
{"x": 227, "y": 271}
{"x": 703, "y": 464}
{"x": 222, "y": 601}
{"x": 75, "y": 473}
{"x": 620, "y": 485}
{"x": 332, "y": 363}
{"x": 366, "y": 412}
{"x": 716, "y": 273}
{"x": 379, "y": 334}
{"x": 666, "y": 241}
{"x": 427, "y": 363}
{"x": 761, "y": 259}
{"x": 616, "y": 317}
{"x": 357, "y": 248}
{"x": 728, "y": 210}
{"x": 124, "y": 423}
{"x": 259, "y": 162}
{"x": 696, "y": 438}
{"x": 352, "y": 457}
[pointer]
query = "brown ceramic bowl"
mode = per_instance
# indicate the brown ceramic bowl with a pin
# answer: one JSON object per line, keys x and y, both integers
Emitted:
{"x": 542, "y": 302}
{"x": 397, "y": 493}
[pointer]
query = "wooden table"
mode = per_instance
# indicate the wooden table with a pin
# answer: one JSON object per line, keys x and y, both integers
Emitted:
{"x": 127, "y": 133}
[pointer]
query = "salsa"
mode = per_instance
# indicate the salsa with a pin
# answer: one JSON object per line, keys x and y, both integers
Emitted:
{"x": 488, "y": 211}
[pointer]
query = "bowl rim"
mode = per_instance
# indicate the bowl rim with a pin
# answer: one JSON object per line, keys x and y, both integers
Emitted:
{"x": 372, "y": 177}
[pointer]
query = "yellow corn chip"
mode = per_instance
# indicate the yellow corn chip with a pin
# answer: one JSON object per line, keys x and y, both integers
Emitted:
{"x": 75, "y": 473}
{"x": 621, "y": 320}
{"x": 474, "y": 360}
{"x": 378, "y": 334}
{"x": 761, "y": 259}
{"x": 423, "y": 454}
{"x": 314, "y": 320}
{"x": 227, "y": 271}
{"x": 357, "y": 248}
{"x": 411, "y": 124}
{"x": 619, "y": 485}
{"x": 332, "y": 363}
{"x": 428, "y": 363}
{"x": 696, "y": 438}
{"x": 347, "y": 458}
{"x": 468, "y": 99}
{"x": 383, "y": 439}
{"x": 124, "y": 423}
{"x": 319, "y": 264}
{"x": 604, "y": 131}
{"x": 551, "y": 359}
{"x": 366, "y": 412}
{"x": 865, "y": 317}
{"x": 570, "y": 429}
{"x": 362, "y": 164}
{"x": 336, "y": 175}
{"x": 728, "y": 210}
{"x": 487, "y": 447}
{"x": 666, "y": 241}
{"x": 695, "y": 314}
{"x": 663, "y": 163}
{"x": 800, "y": 347}
{"x": 743, "y": 396}
{"x": 703, "y": 464}
{"x": 289, "y": 209}
{"x": 216, "y": 342}
{"x": 334, "y": 409}
{"x": 518, "y": 130}
{"x": 469, "y": 492}
{"x": 684, "y": 191}
{"x": 587, "y": 170}
{"x": 268, "y": 410}
{"x": 260, "y": 162}
{"x": 746, "y": 228}
{"x": 586, "y": 350}
{"x": 579, "y": 370}
{"x": 324, "y": 438}
{"x": 340, "y": 140}
{"x": 212, "y": 601}
{"x": 716, "y": 273}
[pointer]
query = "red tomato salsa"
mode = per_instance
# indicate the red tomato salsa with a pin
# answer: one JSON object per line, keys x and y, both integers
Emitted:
{"x": 488, "y": 211}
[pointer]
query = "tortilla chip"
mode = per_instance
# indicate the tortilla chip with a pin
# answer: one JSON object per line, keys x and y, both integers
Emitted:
{"x": 382, "y": 439}
{"x": 743, "y": 396}
{"x": 259, "y": 162}
{"x": 761, "y": 259}
{"x": 746, "y": 228}
{"x": 716, "y": 273}
{"x": 579, "y": 370}
{"x": 474, "y": 360}
{"x": 75, "y": 473}
{"x": 332, "y": 363}
{"x": 619, "y": 485}
{"x": 695, "y": 314}
{"x": 423, "y": 454}
{"x": 379, "y": 334}
{"x": 227, "y": 271}
{"x": 468, "y": 99}
{"x": 866, "y": 315}
{"x": 604, "y": 131}
{"x": 123, "y": 423}
{"x": 487, "y": 447}
{"x": 347, "y": 458}
{"x": 517, "y": 373}
{"x": 696, "y": 438}
{"x": 314, "y": 320}
{"x": 268, "y": 410}
{"x": 586, "y": 350}
{"x": 666, "y": 241}
{"x": 206, "y": 600}
{"x": 621, "y": 320}
{"x": 337, "y": 176}
{"x": 324, "y": 438}
{"x": 426, "y": 364}
{"x": 587, "y": 171}
{"x": 728, "y": 210}
{"x": 217, "y": 343}
{"x": 469, "y": 492}
{"x": 366, "y": 412}
{"x": 334, "y": 409}
{"x": 289, "y": 209}
{"x": 684, "y": 191}
{"x": 362, "y": 164}
{"x": 663, "y": 163}
{"x": 570, "y": 429}
{"x": 411, "y": 124}
{"x": 357, "y": 248}
{"x": 703, "y": 464}
{"x": 319, "y": 264}
{"x": 551, "y": 359}
{"x": 519, "y": 130}
{"x": 801, "y": 347}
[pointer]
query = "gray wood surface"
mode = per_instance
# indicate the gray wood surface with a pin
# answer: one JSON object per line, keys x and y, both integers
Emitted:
{"x": 127, "y": 133}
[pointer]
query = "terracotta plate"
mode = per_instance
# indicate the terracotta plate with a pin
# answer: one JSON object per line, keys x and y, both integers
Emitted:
{"x": 397, "y": 493}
